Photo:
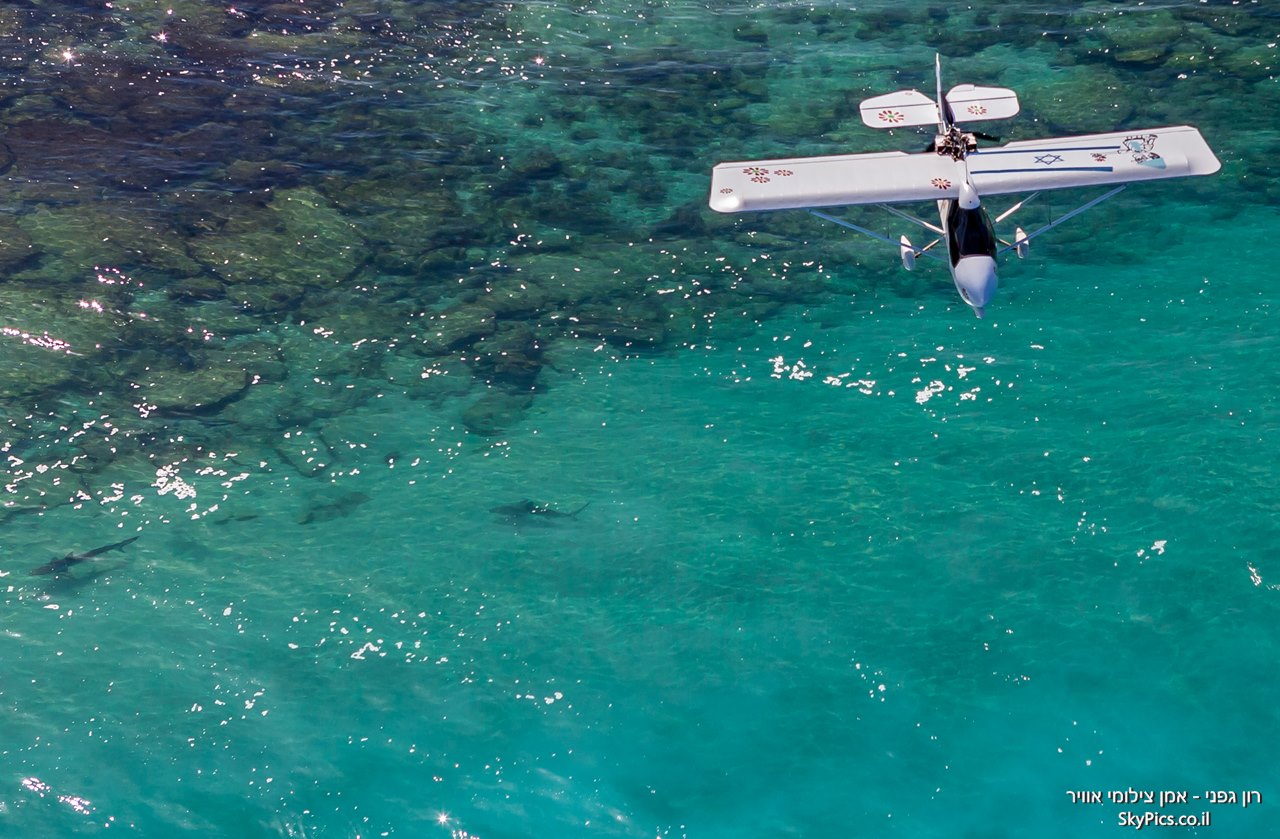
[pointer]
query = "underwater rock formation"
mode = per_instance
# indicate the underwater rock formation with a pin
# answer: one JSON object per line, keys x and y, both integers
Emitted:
{"x": 250, "y": 220}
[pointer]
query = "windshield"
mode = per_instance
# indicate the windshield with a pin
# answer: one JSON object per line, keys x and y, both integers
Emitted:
{"x": 971, "y": 233}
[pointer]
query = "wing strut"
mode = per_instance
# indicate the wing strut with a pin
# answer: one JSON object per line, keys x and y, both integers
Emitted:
{"x": 1015, "y": 208}
{"x": 926, "y": 225}
{"x": 871, "y": 233}
{"x": 1060, "y": 219}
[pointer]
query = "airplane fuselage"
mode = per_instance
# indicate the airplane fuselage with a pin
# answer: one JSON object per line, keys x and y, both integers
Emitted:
{"x": 971, "y": 248}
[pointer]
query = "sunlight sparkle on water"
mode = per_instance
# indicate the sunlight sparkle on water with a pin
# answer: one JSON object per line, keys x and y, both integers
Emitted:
{"x": 45, "y": 341}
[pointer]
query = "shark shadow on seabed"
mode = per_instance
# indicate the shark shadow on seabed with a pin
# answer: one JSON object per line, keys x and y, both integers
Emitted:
{"x": 526, "y": 512}
{"x": 59, "y": 566}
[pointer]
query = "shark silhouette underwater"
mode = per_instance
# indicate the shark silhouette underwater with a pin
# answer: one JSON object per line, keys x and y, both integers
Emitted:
{"x": 60, "y": 565}
{"x": 534, "y": 511}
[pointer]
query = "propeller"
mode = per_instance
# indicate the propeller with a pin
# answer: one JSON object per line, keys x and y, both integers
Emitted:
{"x": 980, "y": 135}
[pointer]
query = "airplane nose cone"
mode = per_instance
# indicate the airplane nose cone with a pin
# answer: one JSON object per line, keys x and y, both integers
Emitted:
{"x": 976, "y": 281}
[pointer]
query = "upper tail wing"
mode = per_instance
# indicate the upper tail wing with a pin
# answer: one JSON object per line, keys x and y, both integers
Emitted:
{"x": 899, "y": 109}
{"x": 970, "y": 103}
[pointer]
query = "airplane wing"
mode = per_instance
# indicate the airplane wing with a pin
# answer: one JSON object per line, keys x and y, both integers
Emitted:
{"x": 1092, "y": 160}
{"x": 798, "y": 183}
{"x": 1026, "y": 166}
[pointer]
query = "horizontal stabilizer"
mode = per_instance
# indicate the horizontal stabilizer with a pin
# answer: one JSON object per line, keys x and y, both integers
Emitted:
{"x": 1117, "y": 157}
{"x": 899, "y": 109}
{"x": 878, "y": 178}
{"x": 970, "y": 103}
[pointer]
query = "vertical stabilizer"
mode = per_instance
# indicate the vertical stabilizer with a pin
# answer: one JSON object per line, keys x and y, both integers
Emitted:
{"x": 944, "y": 110}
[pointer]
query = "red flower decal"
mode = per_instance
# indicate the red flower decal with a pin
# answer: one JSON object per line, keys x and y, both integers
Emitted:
{"x": 783, "y": 173}
{"x": 941, "y": 183}
{"x": 890, "y": 116}
{"x": 977, "y": 110}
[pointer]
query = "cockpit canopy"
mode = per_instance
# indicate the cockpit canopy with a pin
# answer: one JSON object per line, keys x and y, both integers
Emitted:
{"x": 970, "y": 232}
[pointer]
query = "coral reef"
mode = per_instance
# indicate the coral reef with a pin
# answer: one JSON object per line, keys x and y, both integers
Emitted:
{"x": 246, "y": 220}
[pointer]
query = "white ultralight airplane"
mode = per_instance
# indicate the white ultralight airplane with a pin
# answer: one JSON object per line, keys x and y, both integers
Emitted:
{"x": 955, "y": 172}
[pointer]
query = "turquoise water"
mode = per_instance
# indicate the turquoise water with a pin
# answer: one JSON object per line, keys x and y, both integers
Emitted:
{"x": 852, "y": 562}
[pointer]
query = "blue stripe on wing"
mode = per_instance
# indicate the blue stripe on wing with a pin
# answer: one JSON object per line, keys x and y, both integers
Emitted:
{"x": 1044, "y": 169}
{"x": 1041, "y": 150}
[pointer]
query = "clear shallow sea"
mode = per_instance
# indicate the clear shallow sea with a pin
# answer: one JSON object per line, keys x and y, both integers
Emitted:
{"x": 854, "y": 563}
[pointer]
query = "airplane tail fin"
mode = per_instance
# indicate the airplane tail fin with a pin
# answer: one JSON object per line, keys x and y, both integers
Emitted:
{"x": 970, "y": 103}
{"x": 900, "y": 109}
{"x": 962, "y": 103}
{"x": 945, "y": 117}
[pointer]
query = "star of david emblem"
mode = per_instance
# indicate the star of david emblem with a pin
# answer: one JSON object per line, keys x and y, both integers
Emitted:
{"x": 1048, "y": 159}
